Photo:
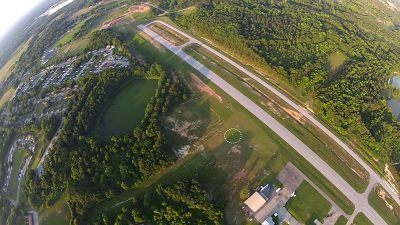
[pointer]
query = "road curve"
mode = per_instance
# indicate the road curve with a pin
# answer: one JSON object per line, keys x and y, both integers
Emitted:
{"x": 359, "y": 200}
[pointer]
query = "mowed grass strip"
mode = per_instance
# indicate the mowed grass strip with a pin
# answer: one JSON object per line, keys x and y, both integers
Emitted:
{"x": 18, "y": 159}
{"x": 384, "y": 204}
{"x": 361, "y": 219}
{"x": 168, "y": 34}
{"x": 57, "y": 214}
{"x": 322, "y": 145}
{"x": 308, "y": 205}
{"x": 341, "y": 221}
{"x": 6, "y": 96}
{"x": 127, "y": 108}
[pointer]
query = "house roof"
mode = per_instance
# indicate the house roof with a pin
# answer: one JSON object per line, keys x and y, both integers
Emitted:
{"x": 255, "y": 202}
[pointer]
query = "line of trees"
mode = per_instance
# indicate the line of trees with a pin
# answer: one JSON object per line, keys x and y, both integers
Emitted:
{"x": 183, "y": 203}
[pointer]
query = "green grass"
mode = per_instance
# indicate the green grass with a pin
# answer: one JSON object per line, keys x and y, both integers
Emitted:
{"x": 168, "y": 34}
{"x": 6, "y": 96}
{"x": 69, "y": 35}
{"x": 361, "y": 219}
{"x": 232, "y": 135}
{"x": 5, "y": 71}
{"x": 18, "y": 159}
{"x": 378, "y": 198}
{"x": 308, "y": 205}
{"x": 336, "y": 60}
{"x": 341, "y": 221}
{"x": 127, "y": 108}
{"x": 57, "y": 214}
{"x": 325, "y": 147}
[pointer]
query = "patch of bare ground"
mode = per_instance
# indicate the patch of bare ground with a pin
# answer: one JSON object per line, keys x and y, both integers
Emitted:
{"x": 131, "y": 10}
{"x": 390, "y": 178}
{"x": 199, "y": 84}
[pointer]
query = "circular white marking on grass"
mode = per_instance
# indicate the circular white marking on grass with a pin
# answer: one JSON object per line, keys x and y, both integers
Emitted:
{"x": 231, "y": 130}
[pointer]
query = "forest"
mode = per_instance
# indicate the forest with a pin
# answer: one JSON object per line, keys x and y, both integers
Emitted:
{"x": 295, "y": 39}
{"x": 89, "y": 168}
{"x": 186, "y": 202}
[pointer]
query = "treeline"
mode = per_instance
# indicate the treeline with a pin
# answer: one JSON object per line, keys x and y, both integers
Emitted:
{"x": 90, "y": 169}
{"x": 176, "y": 4}
{"x": 296, "y": 38}
{"x": 183, "y": 203}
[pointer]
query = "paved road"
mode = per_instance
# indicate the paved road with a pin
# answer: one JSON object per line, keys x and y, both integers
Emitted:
{"x": 360, "y": 201}
{"x": 374, "y": 177}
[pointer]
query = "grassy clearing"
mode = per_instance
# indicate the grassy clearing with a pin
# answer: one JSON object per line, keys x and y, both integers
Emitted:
{"x": 308, "y": 205}
{"x": 361, "y": 219}
{"x": 58, "y": 214}
{"x": 341, "y": 221}
{"x": 6, "y": 96}
{"x": 384, "y": 204}
{"x": 41, "y": 145}
{"x": 5, "y": 71}
{"x": 336, "y": 60}
{"x": 70, "y": 34}
{"x": 127, "y": 108}
{"x": 223, "y": 168}
{"x": 326, "y": 148}
{"x": 18, "y": 159}
{"x": 168, "y": 34}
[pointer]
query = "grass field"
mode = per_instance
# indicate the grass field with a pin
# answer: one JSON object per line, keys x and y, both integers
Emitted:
{"x": 168, "y": 34}
{"x": 58, "y": 214}
{"x": 341, "y": 221}
{"x": 327, "y": 149}
{"x": 18, "y": 159}
{"x": 361, "y": 219}
{"x": 69, "y": 35}
{"x": 384, "y": 204}
{"x": 308, "y": 205}
{"x": 6, "y": 96}
{"x": 336, "y": 60}
{"x": 5, "y": 71}
{"x": 127, "y": 108}
{"x": 223, "y": 168}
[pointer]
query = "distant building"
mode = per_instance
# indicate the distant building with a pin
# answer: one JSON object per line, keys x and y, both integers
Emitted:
{"x": 255, "y": 202}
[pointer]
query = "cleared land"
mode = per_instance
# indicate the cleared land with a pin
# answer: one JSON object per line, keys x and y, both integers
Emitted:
{"x": 58, "y": 214}
{"x": 168, "y": 34}
{"x": 308, "y": 205}
{"x": 354, "y": 174}
{"x": 6, "y": 96}
{"x": 361, "y": 219}
{"x": 127, "y": 108}
{"x": 18, "y": 159}
{"x": 341, "y": 221}
{"x": 383, "y": 203}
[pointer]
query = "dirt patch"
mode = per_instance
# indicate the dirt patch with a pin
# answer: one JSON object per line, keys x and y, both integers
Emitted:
{"x": 389, "y": 177}
{"x": 199, "y": 84}
{"x": 131, "y": 10}
{"x": 383, "y": 195}
{"x": 184, "y": 128}
{"x": 7, "y": 96}
{"x": 295, "y": 115}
